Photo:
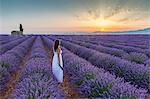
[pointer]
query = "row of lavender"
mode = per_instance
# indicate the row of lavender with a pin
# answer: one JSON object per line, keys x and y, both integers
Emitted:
{"x": 96, "y": 40}
{"x": 129, "y": 44}
{"x": 141, "y": 41}
{"x": 35, "y": 81}
{"x": 128, "y": 49}
{"x": 128, "y": 40}
{"x": 136, "y": 54}
{"x": 139, "y": 58}
{"x": 133, "y": 54}
{"x": 5, "y": 39}
{"x": 7, "y": 46}
{"x": 10, "y": 61}
{"x": 95, "y": 82}
{"x": 135, "y": 73}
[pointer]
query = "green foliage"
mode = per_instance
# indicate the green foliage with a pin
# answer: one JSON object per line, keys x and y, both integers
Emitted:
{"x": 89, "y": 75}
{"x": 4, "y": 64}
{"x": 78, "y": 83}
{"x": 97, "y": 90}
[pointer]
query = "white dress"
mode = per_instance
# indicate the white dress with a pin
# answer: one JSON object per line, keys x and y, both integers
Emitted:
{"x": 56, "y": 69}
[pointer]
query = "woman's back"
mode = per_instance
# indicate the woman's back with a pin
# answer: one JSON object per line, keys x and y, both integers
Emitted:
{"x": 56, "y": 69}
{"x": 55, "y": 60}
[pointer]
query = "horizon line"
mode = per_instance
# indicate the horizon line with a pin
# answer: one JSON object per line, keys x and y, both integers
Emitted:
{"x": 132, "y": 30}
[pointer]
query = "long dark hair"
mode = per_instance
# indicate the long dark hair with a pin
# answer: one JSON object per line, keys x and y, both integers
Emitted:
{"x": 56, "y": 45}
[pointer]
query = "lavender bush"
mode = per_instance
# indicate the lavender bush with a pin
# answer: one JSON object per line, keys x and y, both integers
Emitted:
{"x": 10, "y": 61}
{"x": 134, "y": 45}
{"x": 97, "y": 66}
{"x": 10, "y": 45}
{"x": 136, "y": 73}
{"x": 7, "y": 39}
{"x": 4, "y": 76}
{"x": 112, "y": 51}
{"x": 136, "y": 57}
{"x": 35, "y": 80}
{"x": 147, "y": 62}
{"x": 139, "y": 58}
{"x": 125, "y": 48}
{"x": 95, "y": 82}
{"x": 140, "y": 41}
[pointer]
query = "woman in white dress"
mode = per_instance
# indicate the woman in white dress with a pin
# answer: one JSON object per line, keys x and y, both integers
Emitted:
{"x": 57, "y": 63}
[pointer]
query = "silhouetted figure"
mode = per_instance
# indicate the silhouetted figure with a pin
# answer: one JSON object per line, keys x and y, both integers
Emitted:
{"x": 21, "y": 29}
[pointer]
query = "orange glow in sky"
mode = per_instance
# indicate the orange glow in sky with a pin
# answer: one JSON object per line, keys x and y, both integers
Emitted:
{"x": 74, "y": 15}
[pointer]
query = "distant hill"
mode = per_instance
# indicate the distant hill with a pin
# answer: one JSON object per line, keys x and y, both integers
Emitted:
{"x": 140, "y": 31}
{"x": 143, "y": 30}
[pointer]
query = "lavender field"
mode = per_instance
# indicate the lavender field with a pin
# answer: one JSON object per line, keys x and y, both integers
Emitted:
{"x": 95, "y": 66}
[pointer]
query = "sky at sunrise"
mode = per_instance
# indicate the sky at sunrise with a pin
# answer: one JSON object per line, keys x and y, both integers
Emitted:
{"x": 74, "y": 15}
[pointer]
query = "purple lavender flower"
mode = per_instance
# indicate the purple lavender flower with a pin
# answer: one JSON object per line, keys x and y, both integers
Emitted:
{"x": 35, "y": 80}
{"x": 11, "y": 59}
{"x": 95, "y": 82}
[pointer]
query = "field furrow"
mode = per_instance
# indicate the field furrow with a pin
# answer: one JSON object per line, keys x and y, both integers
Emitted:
{"x": 94, "y": 67}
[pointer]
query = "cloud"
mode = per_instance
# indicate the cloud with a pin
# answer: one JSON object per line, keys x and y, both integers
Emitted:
{"x": 123, "y": 20}
{"x": 95, "y": 14}
{"x": 117, "y": 9}
{"x": 133, "y": 18}
{"x": 88, "y": 15}
{"x": 124, "y": 10}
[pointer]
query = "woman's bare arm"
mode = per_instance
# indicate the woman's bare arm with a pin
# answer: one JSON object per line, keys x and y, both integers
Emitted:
{"x": 59, "y": 56}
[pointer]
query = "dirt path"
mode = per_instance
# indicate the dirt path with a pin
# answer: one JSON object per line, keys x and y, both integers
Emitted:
{"x": 12, "y": 82}
{"x": 68, "y": 90}
{"x": 66, "y": 87}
